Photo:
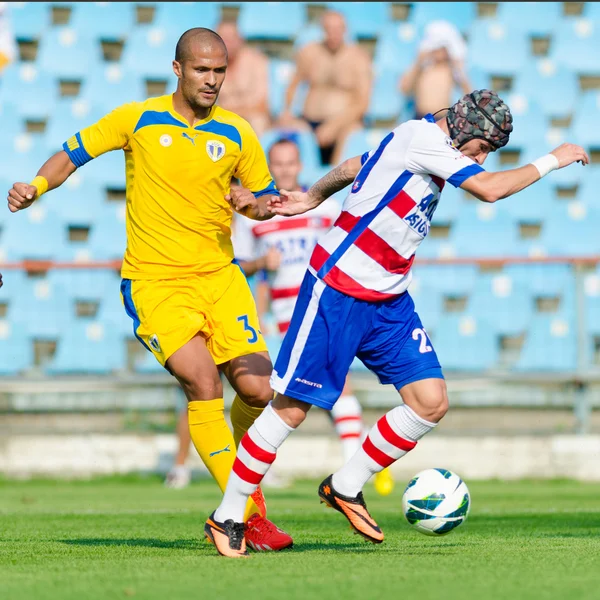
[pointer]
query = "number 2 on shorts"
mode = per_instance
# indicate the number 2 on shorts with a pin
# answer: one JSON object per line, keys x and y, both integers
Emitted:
{"x": 423, "y": 346}
{"x": 247, "y": 327}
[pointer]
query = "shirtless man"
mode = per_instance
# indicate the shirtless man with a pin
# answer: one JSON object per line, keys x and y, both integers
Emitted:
{"x": 339, "y": 78}
{"x": 246, "y": 87}
{"x": 438, "y": 68}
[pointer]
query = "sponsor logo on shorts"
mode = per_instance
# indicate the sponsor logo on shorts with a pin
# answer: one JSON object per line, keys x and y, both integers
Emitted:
{"x": 310, "y": 383}
{"x": 154, "y": 343}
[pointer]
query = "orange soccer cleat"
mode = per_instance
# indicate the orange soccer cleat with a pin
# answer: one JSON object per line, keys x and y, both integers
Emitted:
{"x": 354, "y": 509}
{"x": 228, "y": 537}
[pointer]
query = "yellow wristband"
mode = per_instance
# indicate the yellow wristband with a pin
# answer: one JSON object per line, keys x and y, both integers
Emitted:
{"x": 41, "y": 183}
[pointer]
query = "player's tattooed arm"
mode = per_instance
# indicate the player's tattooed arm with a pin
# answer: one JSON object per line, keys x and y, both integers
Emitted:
{"x": 296, "y": 203}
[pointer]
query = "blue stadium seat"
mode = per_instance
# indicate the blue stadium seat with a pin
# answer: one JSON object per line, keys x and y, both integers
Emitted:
{"x": 482, "y": 230}
{"x": 386, "y": 100}
{"x": 280, "y": 74}
{"x": 43, "y": 310}
{"x": 576, "y": 45}
{"x": 147, "y": 364}
{"x": 109, "y": 21}
{"x": 68, "y": 53}
{"x": 396, "y": 48}
{"x": 448, "y": 280}
{"x": 86, "y": 285}
{"x": 77, "y": 205}
{"x": 537, "y": 19}
{"x": 69, "y": 117}
{"x": 571, "y": 230}
{"x": 361, "y": 141}
{"x": 465, "y": 343}
{"x": 309, "y": 150}
{"x": 185, "y": 15}
{"x": 553, "y": 87}
{"x": 23, "y": 160}
{"x": 88, "y": 347}
{"x": 11, "y": 123}
{"x": 531, "y": 204}
{"x": 584, "y": 130}
{"x": 363, "y": 19}
{"x": 34, "y": 234}
{"x": 499, "y": 300}
{"x": 16, "y": 349}
{"x": 541, "y": 279}
{"x": 449, "y": 205}
{"x": 112, "y": 314}
{"x": 107, "y": 170}
{"x": 460, "y": 14}
{"x": 157, "y": 47}
{"x": 107, "y": 239}
{"x": 22, "y": 85}
{"x": 111, "y": 86}
{"x": 428, "y": 303}
{"x": 529, "y": 123}
{"x": 29, "y": 19}
{"x": 496, "y": 48}
{"x": 588, "y": 191}
{"x": 273, "y": 20}
{"x": 550, "y": 345}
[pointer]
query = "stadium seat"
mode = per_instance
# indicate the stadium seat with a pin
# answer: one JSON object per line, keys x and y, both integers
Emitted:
{"x": 271, "y": 20}
{"x": 111, "y": 86}
{"x": 449, "y": 205}
{"x": 23, "y": 160}
{"x": 280, "y": 74}
{"x": 185, "y": 15}
{"x": 584, "y": 125}
{"x": 157, "y": 47}
{"x": 147, "y": 364}
{"x": 571, "y": 230}
{"x": 88, "y": 347}
{"x": 448, "y": 280}
{"x": 110, "y": 21}
{"x": 532, "y": 204}
{"x": 309, "y": 150}
{"x": 553, "y": 87}
{"x": 11, "y": 123}
{"x": 69, "y": 117}
{"x": 22, "y": 85}
{"x": 396, "y": 48}
{"x": 68, "y": 53}
{"x": 16, "y": 349}
{"x": 34, "y": 234}
{"x": 542, "y": 280}
{"x": 576, "y": 45}
{"x": 499, "y": 300}
{"x": 29, "y": 19}
{"x": 482, "y": 230}
{"x": 529, "y": 123}
{"x": 107, "y": 170}
{"x": 460, "y": 14}
{"x": 588, "y": 191}
{"x": 550, "y": 345}
{"x": 496, "y": 48}
{"x": 78, "y": 205}
{"x": 428, "y": 303}
{"x": 361, "y": 141}
{"x": 112, "y": 314}
{"x": 107, "y": 239}
{"x": 363, "y": 19}
{"x": 86, "y": 285}
{"x": 465, "y": 343}
{"x": 537, "y": 19}
{"x": 386, "y": 100}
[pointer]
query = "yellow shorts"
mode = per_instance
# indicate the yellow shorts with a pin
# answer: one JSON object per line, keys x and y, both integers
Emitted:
{"x": 168, "y": 313}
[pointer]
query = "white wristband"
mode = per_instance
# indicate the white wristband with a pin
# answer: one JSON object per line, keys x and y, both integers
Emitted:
{"x": 545, "y": 164}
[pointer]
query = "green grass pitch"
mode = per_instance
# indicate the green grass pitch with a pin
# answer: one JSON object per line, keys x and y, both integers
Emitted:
{"x": 131, "y": 537}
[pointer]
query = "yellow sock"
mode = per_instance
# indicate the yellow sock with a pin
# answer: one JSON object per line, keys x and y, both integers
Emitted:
{"x": 242, "y": 416}
{"x": 213, "y": 441}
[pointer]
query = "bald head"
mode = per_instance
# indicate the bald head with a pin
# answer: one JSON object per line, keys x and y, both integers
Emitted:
{"x": 197, "y": 39}
{"x": 334, "y": 28}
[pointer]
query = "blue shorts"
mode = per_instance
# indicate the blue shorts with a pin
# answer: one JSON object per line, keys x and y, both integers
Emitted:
{"x": 329, "y": 329}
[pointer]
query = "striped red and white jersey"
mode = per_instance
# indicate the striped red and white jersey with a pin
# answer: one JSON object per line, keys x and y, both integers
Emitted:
{"x": 295, "y": 238}
{"x": 369, "y": 252}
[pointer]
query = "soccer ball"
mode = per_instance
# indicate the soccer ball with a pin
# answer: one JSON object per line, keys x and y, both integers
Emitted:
{"x": 436, "y": 501}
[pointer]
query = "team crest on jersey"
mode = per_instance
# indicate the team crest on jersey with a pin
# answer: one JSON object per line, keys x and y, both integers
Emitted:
{"x": 215, "y": 150}
{"x": 154, "y": 343}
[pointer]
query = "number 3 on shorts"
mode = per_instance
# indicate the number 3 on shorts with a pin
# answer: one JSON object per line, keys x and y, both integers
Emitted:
{"x": 419, "y": 334}
{"x": 253, "y": 335}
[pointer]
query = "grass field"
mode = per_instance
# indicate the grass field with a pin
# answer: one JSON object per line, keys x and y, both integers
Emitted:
{"x": 130, "y": 537}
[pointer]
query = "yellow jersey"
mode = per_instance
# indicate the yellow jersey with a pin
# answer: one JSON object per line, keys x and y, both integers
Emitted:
{"x": 178, "y": 221}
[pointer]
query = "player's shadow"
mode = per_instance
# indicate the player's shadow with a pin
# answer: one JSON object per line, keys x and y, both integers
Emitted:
{"x": 142, "y": 542}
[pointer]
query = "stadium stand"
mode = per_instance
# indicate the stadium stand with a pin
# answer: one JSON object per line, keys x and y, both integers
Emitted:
{"x": 468, "y": 309}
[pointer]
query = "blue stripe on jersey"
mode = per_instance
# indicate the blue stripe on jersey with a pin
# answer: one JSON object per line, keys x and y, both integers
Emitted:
{"x": 228, "y": 131}
{"x": 365, "y": 170}
{"x": 429, "y": 118}
{"x": 270, "y": 189}
{"x": 364, "y": 158}
{"x": 457, "y": 179}
{"x": 363, "y": 223}
{"x": 79, "y": 156}
{"x": 153, "y": 117}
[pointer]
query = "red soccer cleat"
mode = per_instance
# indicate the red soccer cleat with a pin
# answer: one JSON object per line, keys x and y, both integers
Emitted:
{"x": 264, "y": 536}
{"x": 259, "y": 500}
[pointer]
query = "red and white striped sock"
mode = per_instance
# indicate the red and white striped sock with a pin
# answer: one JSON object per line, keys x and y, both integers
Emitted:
{"x": 255, "y": 454}
{"x": 347, "y": 418}
{"x": 395, "y": 434}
